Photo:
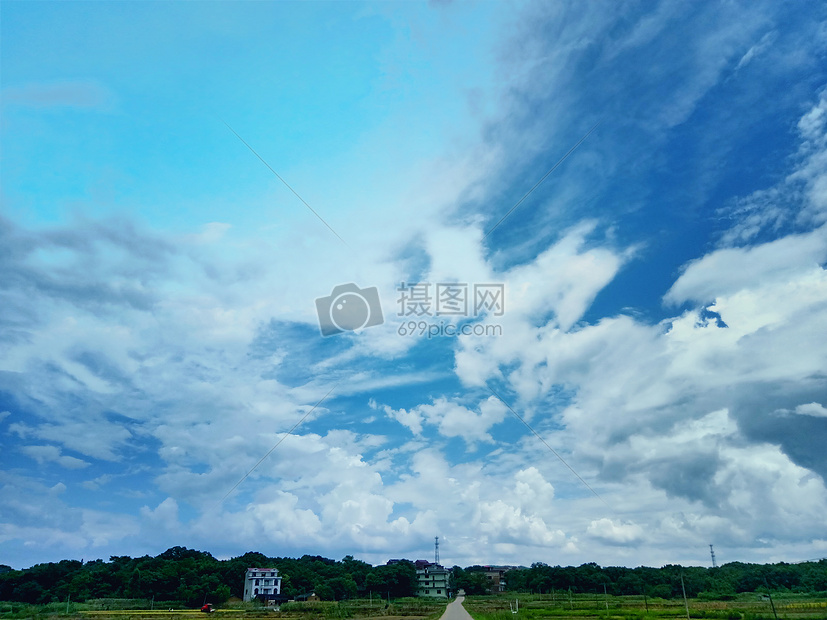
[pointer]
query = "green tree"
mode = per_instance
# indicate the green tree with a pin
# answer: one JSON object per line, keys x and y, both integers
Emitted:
{"x": 358, "y": 571}
{"x": 397, "y": 580}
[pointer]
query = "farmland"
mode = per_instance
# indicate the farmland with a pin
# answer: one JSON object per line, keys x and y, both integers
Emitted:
{"x": 562, "y": 606}
{"x": 558, "y": 606}
{"x": 120, "y": 609}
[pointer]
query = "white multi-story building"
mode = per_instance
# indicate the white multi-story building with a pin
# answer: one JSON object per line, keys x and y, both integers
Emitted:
{"x": 262, "y": 583}
{"x": 433, "y": 580}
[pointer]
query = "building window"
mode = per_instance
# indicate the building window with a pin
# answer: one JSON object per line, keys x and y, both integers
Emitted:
{"x": 258, "y": 581}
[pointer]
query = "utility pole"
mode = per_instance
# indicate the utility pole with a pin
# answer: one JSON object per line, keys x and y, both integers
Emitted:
{"x": 686, "y": 604}
{"x": 436, "y": 549}
{"x": 770, "y": 595}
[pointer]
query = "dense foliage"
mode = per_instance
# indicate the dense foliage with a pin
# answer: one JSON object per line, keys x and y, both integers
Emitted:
{"x": 720, "y": 583}
{"x": 190, "y": 577}
{"x": 471, "y": 580}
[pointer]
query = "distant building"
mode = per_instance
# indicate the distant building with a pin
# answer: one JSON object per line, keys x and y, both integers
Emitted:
{"x": 433, "y": 579}
{"x": 496, "y": 578}
{"x": 262, "y": 583}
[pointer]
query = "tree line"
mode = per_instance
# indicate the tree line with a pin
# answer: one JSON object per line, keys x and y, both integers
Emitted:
{"x": 189, "y": 577}
{"x": 722, "y": 582}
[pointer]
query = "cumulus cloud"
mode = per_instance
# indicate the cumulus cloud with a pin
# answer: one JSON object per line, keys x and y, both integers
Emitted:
{"x": 502, "y": 522}
{"x": 812, "y": 409}
{"x": 532, "y": 489}
{"x": 672, "y": 407}
{"x": 164, "y": 515}
{"x": 182, "y": 360}
{"x": 615, "y": 533}
{"x": 452, "y": 419}
{"x": 727, "y": 271}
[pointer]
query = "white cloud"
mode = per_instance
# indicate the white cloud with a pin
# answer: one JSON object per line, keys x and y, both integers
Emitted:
{"x": 409, "y": 419}
{"x": 727, "y": 271}
{"x": 193, "y": 348}
{"x": 98, "y": 482}
{"x": 533, "y": 492}
{"x": 452, "y": 419}
{"x": 650, "y": 407}
{"x": 164, "y": 516}
{"x": 812, "y": 409}
{"x": 800, "y": 201}
{"x": 275, "y": 517}
{"x": 501, "y": 522}
{"x": 103, "y": 528}
{"x": 616, "y": 533}
{"x": 766, "y": 41}
{"x": 52, "y": 454}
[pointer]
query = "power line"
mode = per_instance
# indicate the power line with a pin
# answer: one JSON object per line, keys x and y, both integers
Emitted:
{"x": 286, "y": 184}
{"x": 278, "y": 443}
{"x": 553, "y": 451}
{"x": 537, "y": 184}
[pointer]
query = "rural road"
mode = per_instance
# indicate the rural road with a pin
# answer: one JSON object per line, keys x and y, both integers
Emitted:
{"x": 455, "y": 610}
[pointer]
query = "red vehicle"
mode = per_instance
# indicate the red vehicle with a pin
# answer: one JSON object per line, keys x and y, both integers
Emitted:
{"x": 207, "y": 609}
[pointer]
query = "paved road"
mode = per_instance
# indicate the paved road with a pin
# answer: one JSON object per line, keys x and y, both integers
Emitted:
{"x": 455, "y": 610}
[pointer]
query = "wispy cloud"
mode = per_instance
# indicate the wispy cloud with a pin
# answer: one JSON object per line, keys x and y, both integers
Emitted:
{"x": 83, "y": 94}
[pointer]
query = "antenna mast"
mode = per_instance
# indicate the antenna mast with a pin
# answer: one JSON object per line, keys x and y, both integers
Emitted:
{"x": 436, "y": 549}
{"x": 712, "y": 553}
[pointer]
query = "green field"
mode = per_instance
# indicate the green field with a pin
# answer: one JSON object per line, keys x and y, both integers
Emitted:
{"x": 398, "y": 609}
{"x": 581, "y": 606}
{"x": 531, "y": 607}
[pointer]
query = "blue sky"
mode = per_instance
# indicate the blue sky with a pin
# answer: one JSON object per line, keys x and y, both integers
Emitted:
{"x": 664, "y": 327}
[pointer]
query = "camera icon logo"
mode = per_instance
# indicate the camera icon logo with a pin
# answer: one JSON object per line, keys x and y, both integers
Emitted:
{"x": 349, "y": 308}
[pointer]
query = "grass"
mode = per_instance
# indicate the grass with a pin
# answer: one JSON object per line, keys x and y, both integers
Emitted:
{"x": 398, "y": 609}
{"x": 599, "y": 607}
{"x": 532, "y": 607}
